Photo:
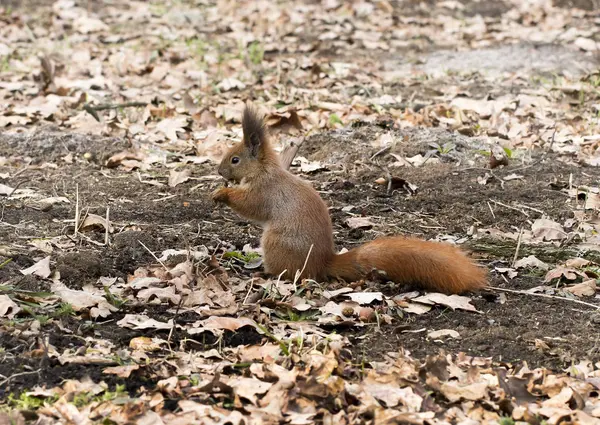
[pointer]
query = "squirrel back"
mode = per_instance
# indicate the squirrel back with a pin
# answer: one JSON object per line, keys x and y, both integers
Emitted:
{"x": 297, "y": 238}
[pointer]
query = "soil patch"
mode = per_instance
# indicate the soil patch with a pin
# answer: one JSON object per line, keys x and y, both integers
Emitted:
{"x": 449, "y": 201}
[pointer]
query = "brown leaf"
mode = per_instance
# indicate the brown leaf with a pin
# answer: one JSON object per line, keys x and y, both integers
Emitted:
{"x": 587, "y": 288}
{"x": 41, "y": 268}
{"x": 359, "y": 223}
{"x": 121, "y": 371}
{"x": 178, "y": 177}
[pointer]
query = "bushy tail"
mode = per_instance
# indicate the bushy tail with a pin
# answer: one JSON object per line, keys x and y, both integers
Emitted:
{"x": 433, "y": 266}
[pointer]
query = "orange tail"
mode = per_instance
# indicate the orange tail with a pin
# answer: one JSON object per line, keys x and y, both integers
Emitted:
{"x": 433, "y": 266}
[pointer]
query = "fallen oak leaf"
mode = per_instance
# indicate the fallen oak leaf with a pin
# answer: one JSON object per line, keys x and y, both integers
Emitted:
{"x": 121, "y": 371}
{"x": 443, "y": 333}
{"x": 359, "y": 222}
{"x": 455, "y": 302}
{"x": 307, "y": 166}
{"x": 587, "y": 288}
{"x": 544, "y": 229}
{"x": 531, "y": 262}
{"x": 41, "y": 268}
{"x": 561, "y": 271}
{"x": 456, "y": 391}
{"x": 391, "y": 394}
{"x": 141, "y": 321}
{"x": 118, "y": 158}
{"x": 365, "y": 297}
{"x": 248, "y": 388}
{"x": 231, "y": 84}
{"x": 95, "y": 222}
{"x": 146, "y": 344}
{"x": 171, "y": 126}
{"x": 577, "y": 262}
{"x": 222, "y": 323}
{"x": 178, "y": 177}
{"x": 8, "y": 308}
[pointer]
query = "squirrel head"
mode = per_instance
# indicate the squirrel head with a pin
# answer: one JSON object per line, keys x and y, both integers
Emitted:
{"x": 248, "y": 158}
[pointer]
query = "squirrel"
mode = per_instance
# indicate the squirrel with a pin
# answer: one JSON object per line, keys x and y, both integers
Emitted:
{"x": 297, "y": 231}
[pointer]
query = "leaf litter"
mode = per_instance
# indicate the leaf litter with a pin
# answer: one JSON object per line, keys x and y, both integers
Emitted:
{"x": 177, "y": 96}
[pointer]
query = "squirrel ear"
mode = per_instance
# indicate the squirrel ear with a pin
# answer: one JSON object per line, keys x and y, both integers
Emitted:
{"x": 253, "y": 143}
{"x": 254, "y": 130}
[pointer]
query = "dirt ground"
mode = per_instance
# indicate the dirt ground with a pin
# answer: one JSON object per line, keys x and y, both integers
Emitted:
{"x": 449, "y": 200}
{"x": 454, "y": 197}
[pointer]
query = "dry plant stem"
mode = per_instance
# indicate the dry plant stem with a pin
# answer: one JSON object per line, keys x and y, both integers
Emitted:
{"x": 517, "y": 249}
{"x": 174, "y": 322}
{"x": 152, "y": 254}
{"x": 509, "y": 207}
{"x": 298, "y": 274}
{"x": 289, "y": 152}
{"x": 106, "y": 106}
{"x": 380, "y": 151}
{"x": 107, "y": 226}
{"x": 76, "y": 209}
{"x": 11, "y": 377}
{"x": 491, "y": 210}
{"x": 514, "y": 291}
{"x": 15, "y": 189}
{"x": 248, "y": 293}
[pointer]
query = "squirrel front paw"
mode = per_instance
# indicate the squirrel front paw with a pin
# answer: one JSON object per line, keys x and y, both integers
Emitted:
{"x": 220, "y": 195}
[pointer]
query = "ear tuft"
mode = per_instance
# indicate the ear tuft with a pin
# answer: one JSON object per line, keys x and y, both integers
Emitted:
{"x": 255, "y": 131}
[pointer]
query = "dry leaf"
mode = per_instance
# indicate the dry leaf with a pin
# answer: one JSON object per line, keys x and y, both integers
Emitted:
{"x": 8, "y": 308}
{"x": 547, "y": 230}
{"x": 171, "y": 126}
{"x": 177, "y": 177}
{"x": 95, "y": 222}
{"x": 586, "y": 288}
{"x": 41, "y": 268}
{"x": 531, "y": 262}
{"x": 121, "y": 371}
{"x": 363, "y": 298}
{"x": 442, "y": 333}
{"x": 455, "y": 302}
{"x": 141, "y": 321}
{"x": 359, "y": 222}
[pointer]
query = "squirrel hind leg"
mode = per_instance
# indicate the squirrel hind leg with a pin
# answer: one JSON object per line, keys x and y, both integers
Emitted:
{"x": 279, "y": 259}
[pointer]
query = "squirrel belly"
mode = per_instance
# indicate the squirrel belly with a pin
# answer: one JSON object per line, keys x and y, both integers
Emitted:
{"x": 433, "y": 266}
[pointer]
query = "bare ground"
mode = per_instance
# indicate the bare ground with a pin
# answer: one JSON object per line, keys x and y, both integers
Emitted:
{"x": 449, "y": 200}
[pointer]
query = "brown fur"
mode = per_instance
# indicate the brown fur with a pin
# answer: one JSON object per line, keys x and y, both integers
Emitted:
{"x": 295, "y": 218}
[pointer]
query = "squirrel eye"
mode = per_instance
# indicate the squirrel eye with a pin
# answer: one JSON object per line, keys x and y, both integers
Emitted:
{"x": 235, "y": 160}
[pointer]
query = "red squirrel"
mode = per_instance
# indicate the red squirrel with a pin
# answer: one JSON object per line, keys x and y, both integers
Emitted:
{"x": 297, "y": 232}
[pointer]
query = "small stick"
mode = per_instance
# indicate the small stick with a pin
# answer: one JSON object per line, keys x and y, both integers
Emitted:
{"x": 518, "y": 247}
{"x": 10, "y": 378}
{"x": 297, "y": 276}
{"x": 508, "y": 206}
{"x": 380, "y": 151}
{"x": 76, "y": 209}
{"x": 249, "y": 290}
{"x": 531, "y": 208}
{"x": 93, "y": 110}
{"x": 107, "y": 226}
{"x": 174, "y": 322}
{"x": 514, "y": 291}
{"x": 491, "y": 210}
{"x": 106, "y": 106}
{"x": 152, "y": 254}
